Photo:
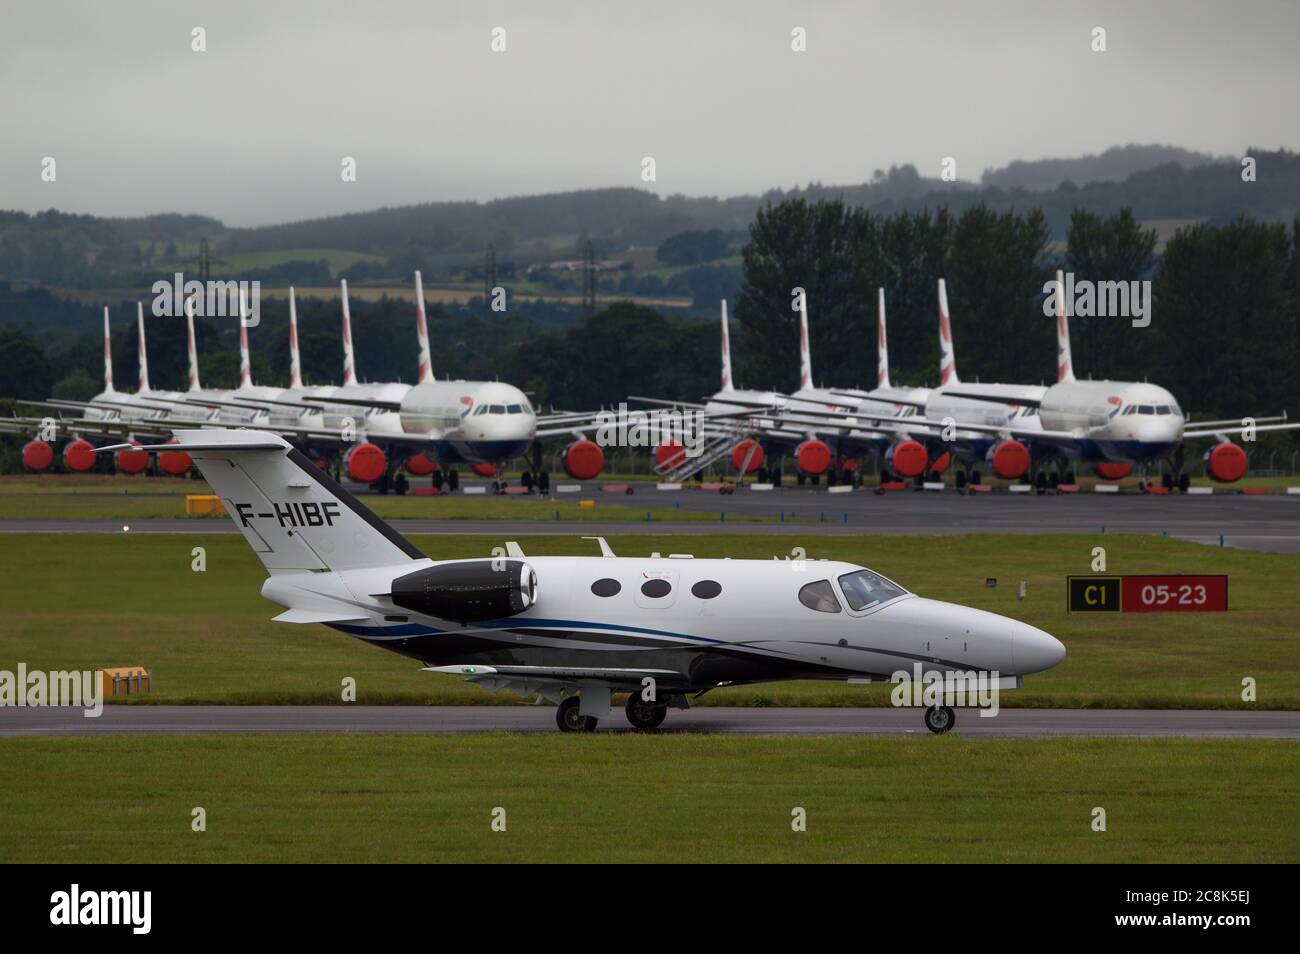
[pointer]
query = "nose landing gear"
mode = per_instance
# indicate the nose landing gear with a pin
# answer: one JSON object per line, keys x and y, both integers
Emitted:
{"x": 940, "y": 719}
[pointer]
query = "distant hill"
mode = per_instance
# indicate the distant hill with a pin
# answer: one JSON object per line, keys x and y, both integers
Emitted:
{"x": 448, "y": 239}
{"x": 1114, "y": 165}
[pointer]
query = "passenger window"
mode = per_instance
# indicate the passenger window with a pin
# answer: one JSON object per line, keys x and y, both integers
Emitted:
{"x": 820, "y": 597}
{"x": 706, "y": 589}
{"x": 656, "y": 589}
{"x": 606, "y": 587}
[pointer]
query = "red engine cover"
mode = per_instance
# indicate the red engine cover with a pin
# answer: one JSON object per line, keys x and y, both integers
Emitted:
{"x": 37, "y": 455}
{"x": 669, "y": 454}
{"x": 583, "y": 460}
{"x": 1109, "y": 470}
{"x": 132, "y": 461}
{"x": 79, "y": 455}
{"x": 1009, "y": 459}
{"x": 419, "y": 466}
{"x": 741, "y": 451}
{"x": 484, "y": 470}
{"x": 940, "y": 463}
{"x": 812, "y": 457}
{"x": 907, "y": 458}
{"x": 365, "y": 463}
{"x": 174, "y": 463}
{"x": 1226, "y": 462}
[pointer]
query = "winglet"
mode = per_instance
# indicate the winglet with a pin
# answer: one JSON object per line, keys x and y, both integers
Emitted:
{"x": 108, "y": 356}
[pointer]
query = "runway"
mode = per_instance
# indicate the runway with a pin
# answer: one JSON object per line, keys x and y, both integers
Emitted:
{"x": 1007, "y": 724}
{"x": 1267, "y": 523}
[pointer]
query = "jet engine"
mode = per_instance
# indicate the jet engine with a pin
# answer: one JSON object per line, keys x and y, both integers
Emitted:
{"x": 670, "y": 454}
{"x": 1111, "y": 470}
{"x": 418, "y": 465}
{"x": 365, "y": 463}
{"x": 131, "y": 461}
{"x": 468, "y": 592}
{"x": 813, "y": 457}
{"x": 79, "y": 455}
{"x": 940, "y": 463}
{"x": 583, "y": 460}
{"x": 741, "y": 451}
{"x": 1009, "y": 459}
{"x": 906, "y": 458}
{"x": 37, "y": 455}
{"x": 174, "y": 463}
{"x": 1226, "y": 462}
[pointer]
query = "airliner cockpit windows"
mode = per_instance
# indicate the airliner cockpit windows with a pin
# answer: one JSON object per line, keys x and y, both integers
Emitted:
{"x": 514, "y": 409}
{"x": 864, "y": 589}
{"x": 1163, "y": 409}
{"x": 481, "y": 409}
{"x": 820, "y": 597}
{"x": 498, "y": 409}
{"x": 1146, "y": 409}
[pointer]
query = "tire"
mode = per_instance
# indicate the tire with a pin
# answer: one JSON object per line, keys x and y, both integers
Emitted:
{"x": 975, "y": 477}
{"x": 569, "y": 717}
{"x": 453, "y": 479}
{"x": 940, "y": 719}
{"x": 644, "y": 715}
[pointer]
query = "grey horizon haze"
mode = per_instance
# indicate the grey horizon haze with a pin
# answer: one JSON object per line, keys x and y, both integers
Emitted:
{"x": 253, "y": 130}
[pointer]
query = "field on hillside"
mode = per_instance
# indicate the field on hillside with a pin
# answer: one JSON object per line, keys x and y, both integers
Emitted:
{"x": 85, "y": 601}
{"x": 662, "y": 798}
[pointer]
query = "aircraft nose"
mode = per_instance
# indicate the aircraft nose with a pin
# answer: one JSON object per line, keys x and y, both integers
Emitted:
{"x": 1033, "y": 650}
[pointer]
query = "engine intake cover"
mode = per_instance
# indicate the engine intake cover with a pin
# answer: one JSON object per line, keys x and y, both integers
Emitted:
{"x": 468, "y": 592}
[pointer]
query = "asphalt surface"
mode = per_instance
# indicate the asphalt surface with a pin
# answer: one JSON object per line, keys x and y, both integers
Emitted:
{"x": 1008, "y": 723}
{"x": 1267, "y": 523}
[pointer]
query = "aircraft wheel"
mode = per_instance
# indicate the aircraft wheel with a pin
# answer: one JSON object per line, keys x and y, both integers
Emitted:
{"x": 1184, "y": 482}
{"x": 569, "y": 718}
{"x": 975, "y": 477}
{"x": 453, "y": 479}
{"x": 642, "y": 714}
{"x": 939, "y": 719}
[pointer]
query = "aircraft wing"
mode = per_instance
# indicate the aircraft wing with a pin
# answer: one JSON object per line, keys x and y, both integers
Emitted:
{"x": 976, "y": 395}
{"x": 1225, "y": 431}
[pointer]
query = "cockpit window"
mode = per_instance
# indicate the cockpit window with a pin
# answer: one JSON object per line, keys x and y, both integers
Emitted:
{"x": 498, "y": 409}
{"x": 481, "y": 409}
{"x": 1131, "y": 409}
{"x": 864, "y": 589}
{"x": 1146, "y": 409}
{"x": 514, "y": 409}
{"x": 1163, "y": 409}
{"x": 820, "y": 597}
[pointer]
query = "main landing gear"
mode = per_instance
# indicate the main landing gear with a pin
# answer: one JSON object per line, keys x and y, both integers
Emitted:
{"x": 644, "y": 715}
{"x": 569, "y": 717}
{"x": 939, "y": 719}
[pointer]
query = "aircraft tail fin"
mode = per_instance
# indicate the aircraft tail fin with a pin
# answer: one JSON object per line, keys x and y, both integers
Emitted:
{"x": 1064, "y": 363}
{"x": 245, "y": 365}
{"x": 349, "y": 361}
{"x": 143, "y": 386}
{"x": 882, "y": 348}
{"x": 727, "y": 384}
{"x": 191, "y": 346}
{"x": 108, "y": 356}
{"x": 295, "y": 360}
{"x": 422, "y": 333}
{"x": 294, "y": 515}
{"x": 805, "y": 353}
{"x": 947, "y": 354}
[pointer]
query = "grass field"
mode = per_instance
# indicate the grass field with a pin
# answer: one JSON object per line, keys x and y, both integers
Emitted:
{"x": 662, "y": 798}
{"x": 126, "y": 498}
{"x": 93, "y": 600}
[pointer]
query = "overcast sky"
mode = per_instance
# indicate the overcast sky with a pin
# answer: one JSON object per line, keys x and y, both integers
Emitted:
{"x": 253, "y": 130}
